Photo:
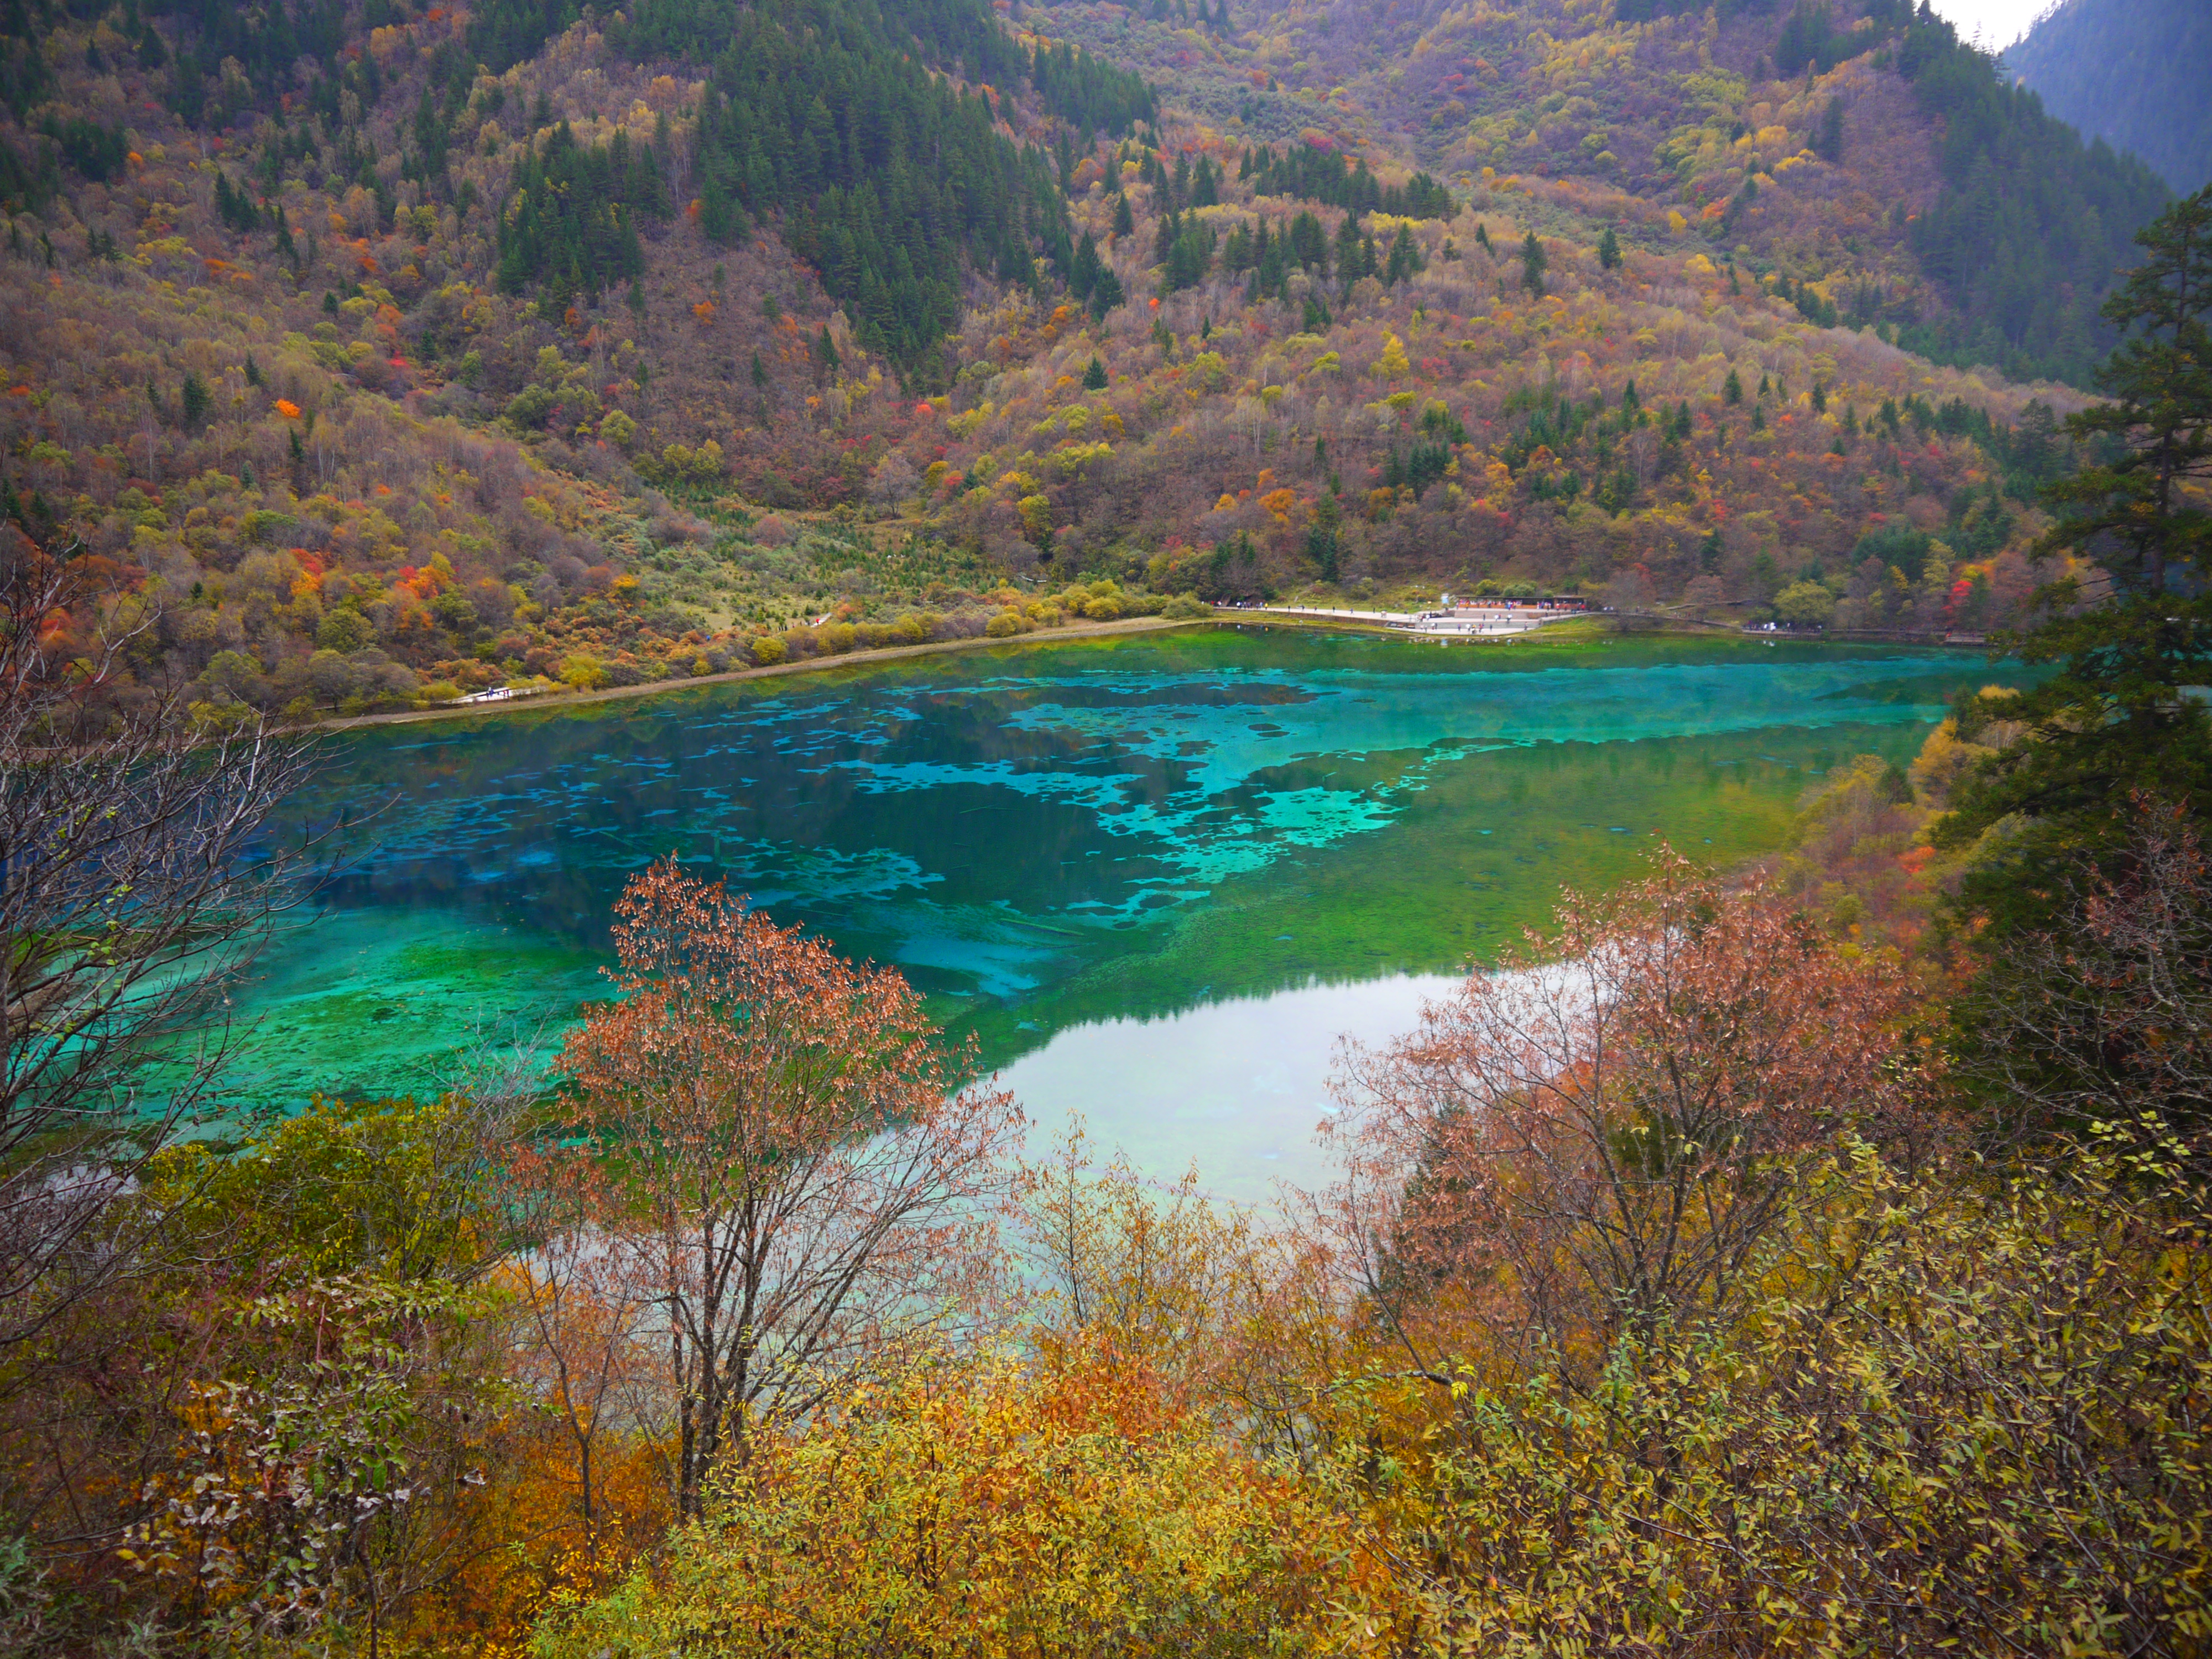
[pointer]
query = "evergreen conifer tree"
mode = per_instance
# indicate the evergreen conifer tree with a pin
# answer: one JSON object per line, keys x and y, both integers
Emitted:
{"x": 1534, "y": 264}
{"x": 2114, "y": 719}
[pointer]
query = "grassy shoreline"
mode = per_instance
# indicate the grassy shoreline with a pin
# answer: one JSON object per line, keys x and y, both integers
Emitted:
{"x": 809, "y": 665}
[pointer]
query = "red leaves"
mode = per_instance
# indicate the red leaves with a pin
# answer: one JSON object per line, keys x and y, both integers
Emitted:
{"x": 1606, "y": 1128}
{"x": 795, "y": 1170}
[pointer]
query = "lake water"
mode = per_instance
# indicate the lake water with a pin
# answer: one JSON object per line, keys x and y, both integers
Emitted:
{"x": 1154, "y": 877}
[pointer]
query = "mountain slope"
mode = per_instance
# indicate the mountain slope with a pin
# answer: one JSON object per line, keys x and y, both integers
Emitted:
{"x": 2134, "y": 72}
{"x": 393, "y": 374}
{"x": 1853, "y": 142}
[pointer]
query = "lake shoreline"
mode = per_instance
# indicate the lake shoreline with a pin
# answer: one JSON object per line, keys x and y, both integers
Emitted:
{"x": 1128, "y": 626}
{"x": 1580, "y": 631}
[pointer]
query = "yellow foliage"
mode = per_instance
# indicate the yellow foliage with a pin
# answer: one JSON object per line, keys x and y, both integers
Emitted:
{"x": 973, "y": 1507}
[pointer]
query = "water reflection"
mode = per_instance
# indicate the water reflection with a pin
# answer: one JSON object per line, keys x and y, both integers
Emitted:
{"x": 1237, "y": 1087}
{"x": 1069, "y": 839}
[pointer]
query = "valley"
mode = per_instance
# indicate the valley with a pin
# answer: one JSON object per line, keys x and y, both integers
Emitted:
{"x": 1257, "y": 829}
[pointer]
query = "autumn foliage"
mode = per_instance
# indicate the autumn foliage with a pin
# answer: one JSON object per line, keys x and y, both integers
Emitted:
{"x": 1670, "y": 1299}
{"x": 1595, "y": 1137}
{"x": 978, "y": 1507}
{"x": 796, "y": 1180}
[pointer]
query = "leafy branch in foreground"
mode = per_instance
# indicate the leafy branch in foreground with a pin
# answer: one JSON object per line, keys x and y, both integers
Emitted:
{"x": 133, "y": 892}
{"x": 1969, "y": 1409}
{"x": 1597, "y": 1141}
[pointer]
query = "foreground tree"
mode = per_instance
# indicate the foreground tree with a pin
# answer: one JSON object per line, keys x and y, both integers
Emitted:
{"x": 800, "y": 1182}
{"x": 1597, "y": 1138}
{"x": 2106, "y": 1016}
{"x": 2131, "y": 633}
{"x": 128, "y": 906}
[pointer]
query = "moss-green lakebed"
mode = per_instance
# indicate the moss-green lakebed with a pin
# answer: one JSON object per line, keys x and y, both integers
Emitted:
{"x": 1152, "y": 876}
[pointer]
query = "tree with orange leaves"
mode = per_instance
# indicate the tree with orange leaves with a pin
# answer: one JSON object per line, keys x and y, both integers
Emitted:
{"x": 1569, "y": 1151}
{"x": 795, "y": 1172}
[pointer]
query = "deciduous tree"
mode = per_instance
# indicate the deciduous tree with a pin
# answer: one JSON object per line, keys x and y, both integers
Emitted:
{"x": 1595, "y": 1137}
{"x": 801, "y": 1177}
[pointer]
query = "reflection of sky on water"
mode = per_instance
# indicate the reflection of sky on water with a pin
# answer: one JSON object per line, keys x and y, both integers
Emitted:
{"x": 1052, "y": 836}
{"x": 1237, "y": 1087}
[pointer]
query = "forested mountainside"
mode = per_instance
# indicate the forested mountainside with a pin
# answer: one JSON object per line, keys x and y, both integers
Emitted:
{"x": 2131, "y": 72}
{"x": 400, "y": 351}
{"x": 1855, "y": 142}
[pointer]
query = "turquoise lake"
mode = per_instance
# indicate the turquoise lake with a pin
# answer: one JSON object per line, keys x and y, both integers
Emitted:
{"x": 1154, "y": 877}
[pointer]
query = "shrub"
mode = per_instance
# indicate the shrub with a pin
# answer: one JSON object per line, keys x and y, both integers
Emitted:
{"x": 977, "y": 1507}
{"x": 1804, "y": 604}
{"x": 581, "y": 672}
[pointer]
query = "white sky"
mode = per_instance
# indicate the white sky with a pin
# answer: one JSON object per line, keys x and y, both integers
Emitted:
{"x": 1994, "y": 24}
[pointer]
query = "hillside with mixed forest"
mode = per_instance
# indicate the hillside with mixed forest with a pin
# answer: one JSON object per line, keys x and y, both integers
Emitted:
{"x": 400, "y": 351}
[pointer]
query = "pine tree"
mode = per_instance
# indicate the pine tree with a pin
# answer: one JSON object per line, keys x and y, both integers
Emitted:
{"x": 825, "y": 350}
{"x": 1609, "y": 250}
{"x": 1204, "y": 185}
{"x": 1108, "y": 295}
{"x": 1094, "y": 377}
{"x": 1828, "y": 145}
{"x": 1322, "y": 545}
{"x": 1347, "y": 250}
{"x": 194, "y": 401}
{"x": 2114, "y": 720}
{"x": 1732, "y": 393}
{"x": 1083, "y": 272}
{"x": 1125, "y": 223}
{"x": 1534, "y": 264}
{"x": 1405, "y": 257}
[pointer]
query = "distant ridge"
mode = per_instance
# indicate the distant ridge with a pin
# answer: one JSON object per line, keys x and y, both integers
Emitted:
{"x": 2132, "y": 72}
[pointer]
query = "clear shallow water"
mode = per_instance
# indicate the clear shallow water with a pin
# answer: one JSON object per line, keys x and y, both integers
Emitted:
{"x": 1119, "y": 864}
